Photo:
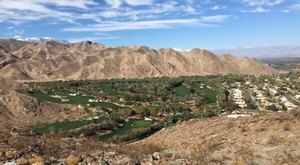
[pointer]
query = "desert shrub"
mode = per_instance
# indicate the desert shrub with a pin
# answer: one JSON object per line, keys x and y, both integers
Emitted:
{"x": 272, "y": 107}
{"x": 230, "y": 124}
{"x": 139, "y": 151}
{"x": 136, "y": 133}
{"x": 200, "y": 152}
{"x": 53, "y": 144}
{"x": 274, "y": 139}
{"x": 243, "y": 129}
{"x": 21, "y": 142}
{"x": 286, "y": 127}
{"x": 206, "y": 113}
{"x": 261, "y": 129}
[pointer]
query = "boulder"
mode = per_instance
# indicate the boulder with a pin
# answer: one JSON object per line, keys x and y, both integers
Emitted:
{"x": 10, "y": 154}
{"x": 23, "y": 161}
{"x": 10, "y": 163}
{"x": 156, "y": 156}
{"x": 37, "y": 160}
{"x": 123, "y": 161}
{"x": 2, "y": 156}
{"x": 72, "y": 160}
{"x": 181, "y": 162}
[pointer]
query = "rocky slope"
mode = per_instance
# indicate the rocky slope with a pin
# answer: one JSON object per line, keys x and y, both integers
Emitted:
{"x": 86, "y": 60}
{"x": 22, "y": 111}
{"x": 262, "y": 139}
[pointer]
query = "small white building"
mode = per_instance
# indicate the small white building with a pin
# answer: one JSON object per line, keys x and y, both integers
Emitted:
{"x": 93, "y": 101}
{"x": 238, "y": 98}
{"x": 273, "y": 91}
{"x": 289, "y": 105}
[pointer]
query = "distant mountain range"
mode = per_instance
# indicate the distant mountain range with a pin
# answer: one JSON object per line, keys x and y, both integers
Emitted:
{"x": 263, "y": 52}
{"x": 52, "y": 60}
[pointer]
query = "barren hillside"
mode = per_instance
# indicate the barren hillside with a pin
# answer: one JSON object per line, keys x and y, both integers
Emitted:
{"x": 262, "y": 139}
{"x": 22, "y": 111}
{"x": 86, "y": 60}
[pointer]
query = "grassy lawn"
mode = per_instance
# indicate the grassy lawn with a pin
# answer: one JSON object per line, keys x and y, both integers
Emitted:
{"x": 105, "y": 105}
{"x": 182, "y": 91}
{"x": 65, "y": 126}
{"x": 131, "y": 124}
{"x": 43, "y": 96}
{"x": 210, "y": 93}
{"x": 107, "y": 90}
{"x": 78, "y": 99}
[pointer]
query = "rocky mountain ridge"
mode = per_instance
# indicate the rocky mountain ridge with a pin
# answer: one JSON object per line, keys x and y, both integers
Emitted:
{"x": 87, "y": 60}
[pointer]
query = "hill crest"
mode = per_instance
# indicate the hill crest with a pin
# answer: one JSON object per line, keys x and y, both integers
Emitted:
{"x": 88, "y": 60}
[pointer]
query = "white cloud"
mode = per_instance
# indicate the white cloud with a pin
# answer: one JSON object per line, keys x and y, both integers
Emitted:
{"x": 139, "y": 2}
{"x": 190, "y": 9}
{"x": 260, "y": 10}
{"x": 256, "y": 10}
{"x": 119, "y": 26}
{"x": 23, "y": 5}
{"x": 217, "y": 7}
{"x": 68, "y": 3}
{"x": 152, "y": 24}
{"x": 285, "y": 11}
{"x": 215, "y": 18}
{"x": 114, "y": 3}
{"x": 19, "y": 11}
{"x": 294, "y": 6}
{"x": 118, "y": 3}
{"x": 154, "y": 10}
{"x": 153, "y": 15}
{"x": 94, "y": 39}
{"x": 37, "y": 5}
{"x": 263, "y": 2}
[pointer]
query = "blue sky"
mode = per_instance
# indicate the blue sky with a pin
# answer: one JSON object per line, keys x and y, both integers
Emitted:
{"x": 181, "y": 24}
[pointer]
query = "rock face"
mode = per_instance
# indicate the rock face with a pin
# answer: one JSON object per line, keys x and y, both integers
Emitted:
{"x": 86, "y": 60}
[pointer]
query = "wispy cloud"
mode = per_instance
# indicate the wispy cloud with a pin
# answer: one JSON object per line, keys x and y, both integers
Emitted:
{"x": 215, "y": 18}
{"x": 217, "y": 7}
{"x": 190, "y": 9}
{"x": 153, "y": 24}
{"x": 84, "y": 4}
{"x": 139, "y": 2}
{"x": 114, "y": 3}
{"x": 157, "y": 9}
{"x": 19, "y": 11}
{"x": 294, "y": 6}
{"x": 118, "y": 15}
{"x": 257, "y": 10}
{"x": 119, "y": 26}
{"x": 263, "y": 2}
{"x": 118, "y": 3}
{"x": 94, "y": 39}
